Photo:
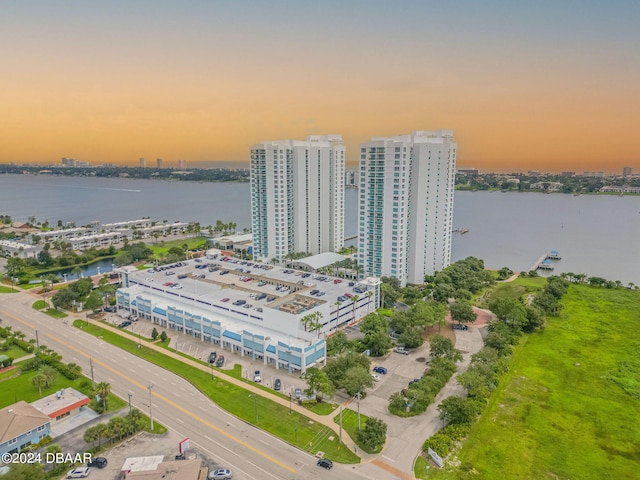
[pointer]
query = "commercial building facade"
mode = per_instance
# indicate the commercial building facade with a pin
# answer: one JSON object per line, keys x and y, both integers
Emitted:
{"x": 280, "y": 316}
{"x": 406, "y": 205}
{"x": 297, "y": 196}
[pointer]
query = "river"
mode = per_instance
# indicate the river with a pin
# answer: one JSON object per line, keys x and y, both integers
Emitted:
{"x": 596, "y": 234}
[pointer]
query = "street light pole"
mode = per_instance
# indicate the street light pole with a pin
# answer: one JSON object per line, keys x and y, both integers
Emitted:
{"x": 290, "y": 403}
{"x": 93, "y": 382}
{"x": 130, "y": 395}
{"x": 150, "y": 387}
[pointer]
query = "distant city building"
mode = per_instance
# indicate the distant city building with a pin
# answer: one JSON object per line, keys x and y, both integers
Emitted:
{"x": 182, "y": 164}
{"x": 68, "y": 162}
{"x": 534, "y": 173}
{"x": 620, "y": 189}
{"x": 547, "y": 186}
{"x": 158, "y": 163}
{"x": 297, "y": 196}
{"x": 351, "y": 178}
{"x": 568, "y": 174}
{"x": 594, "y": 174}
{"x": 469, "y": 171}
{"x": 627, "y": 171}
{"x": 143, "y": 163}
{"x": 406, "y": 205}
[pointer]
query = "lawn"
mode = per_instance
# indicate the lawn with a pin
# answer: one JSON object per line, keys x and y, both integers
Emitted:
{"x": 14, "y": 352}
{"x": 4, "y": 289}
{"x": 21, "y": 388}
{"x": 570, "y": 405}
{"x": 272, "y": 417}
{"x": 52, "y": 312}
{"x": 38, "y": 305}
{"x": 162, "y": 248}
{"x": 350, "y": 425}
{"x": 519, "y": 288}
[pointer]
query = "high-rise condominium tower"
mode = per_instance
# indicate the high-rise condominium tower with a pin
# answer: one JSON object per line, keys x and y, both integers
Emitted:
{"x": 406, "y": 205}
{"x": 297, "y": 196}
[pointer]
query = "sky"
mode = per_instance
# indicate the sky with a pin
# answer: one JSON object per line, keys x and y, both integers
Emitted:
{"x": 545, "y": 85}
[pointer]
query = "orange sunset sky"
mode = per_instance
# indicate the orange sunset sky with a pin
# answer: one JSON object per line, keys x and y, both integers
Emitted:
{"x": 549, "y": 85}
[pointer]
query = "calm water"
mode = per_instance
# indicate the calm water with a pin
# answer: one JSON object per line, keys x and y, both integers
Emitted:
{"x": 596, "y": 235}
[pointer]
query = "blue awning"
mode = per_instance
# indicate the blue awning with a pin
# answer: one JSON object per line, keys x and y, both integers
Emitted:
{"x": 159, "y": 311}
{"x": 232, "y": 335}
{"x": 271, "y": 349}
{"x": 133, "y": 302}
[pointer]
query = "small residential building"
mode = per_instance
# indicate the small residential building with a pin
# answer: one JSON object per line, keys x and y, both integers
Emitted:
{"x": 21, "y": 425}
{"x": 546, "y": 186}
{"x": 62, "y": 404}
{"x": 11, "y": 248}
{"x": 139, "y": 468}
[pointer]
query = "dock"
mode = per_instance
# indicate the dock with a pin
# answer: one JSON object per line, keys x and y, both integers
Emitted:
{"x": 460, "y": 230}
{"x": 544, "y": 262}
{"x": 351, "y": 237}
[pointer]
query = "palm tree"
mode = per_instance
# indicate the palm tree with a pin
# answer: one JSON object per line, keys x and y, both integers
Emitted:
{"x": 338, "y": 303}
{"x": 39, "y": 381}
{"x": 102, "y": 431}
{"x": 354, "y": 299}
{"x": 102, "y": 390}
{"x": 49, "y": 375}
{"x": 91, "y": 434}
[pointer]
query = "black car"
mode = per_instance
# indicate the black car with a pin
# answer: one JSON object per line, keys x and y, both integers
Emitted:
{"x": 124, "y": 324}
{"x": 212, "y": 357}
{"x": 277, "y": 385}
{"x": 460, "y": 326}
{"x": 220, "y": 361}
{"x": 99, "y": 462}
{"x": 324, "y": 463}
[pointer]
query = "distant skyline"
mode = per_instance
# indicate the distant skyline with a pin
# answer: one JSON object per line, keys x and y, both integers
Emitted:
{"x": 547, "y": 86}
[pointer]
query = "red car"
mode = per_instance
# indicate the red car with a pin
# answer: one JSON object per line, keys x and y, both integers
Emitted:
{"x": 337, "y": 280}
{"x": 224, "y": 300}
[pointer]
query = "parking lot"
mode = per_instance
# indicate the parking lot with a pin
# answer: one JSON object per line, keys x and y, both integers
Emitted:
{"x": 142, "y": 445}
{"x": 196, "y": 348}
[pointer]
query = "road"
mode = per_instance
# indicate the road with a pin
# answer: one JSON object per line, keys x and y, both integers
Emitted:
{"x": 248, "y": 451}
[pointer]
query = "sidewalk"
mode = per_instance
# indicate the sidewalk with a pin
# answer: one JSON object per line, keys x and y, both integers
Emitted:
{"x": 322, "y": 419}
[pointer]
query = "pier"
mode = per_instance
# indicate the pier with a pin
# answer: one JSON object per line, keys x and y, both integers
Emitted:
{"x": 352, "y": 237}
{"x": 460, "y": 230}
{"x": 544, "y": 262}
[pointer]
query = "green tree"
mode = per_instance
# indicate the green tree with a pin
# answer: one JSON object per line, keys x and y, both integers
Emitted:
{"x": 374, "y": 434}
{"x": 154, "y": 333}
{"x": 462, "y": 312}
{"x": 91, "y": 435}
{"x": 102, "y": 390}
{"x": 14, "y": 266}
{"x": 49, "y": 374}
{"x": 25, "y": 471}
{"x": 163, "y": 336}
{"x": 318, "y": 382}
{"x": 443, "y": 347}
{"x": 337, "y": 343}
{"x": 457, "y": 410}
{"x": 378, "y": 343}
{"x": 356, "y": 380}
{"x": 39, "y": 381}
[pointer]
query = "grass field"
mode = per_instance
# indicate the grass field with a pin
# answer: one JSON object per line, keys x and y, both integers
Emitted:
{"x": 162, "y": 248}
{"x": 14, "y": 352}
{"x": 21, "y": 388}
{"x": 270, "y": 416}
{"x": 38, "y": 305}
{"x": 52, "y": 312}
{"x": 4, "y": 289}
{"x": 570, "y": 406}
{"x": 350, "y": 425}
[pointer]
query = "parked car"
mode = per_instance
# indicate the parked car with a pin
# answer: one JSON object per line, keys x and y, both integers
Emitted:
{"x": 271, "y": 298}
{"x": 220, "y": 474}
{"x": 239, "y": 302}
{"x": 224, "y": 300}
{"x": 79, "y": 472}
{"x": 376, "y": 377}
{"x": 124, "y": 324}
{"x": 401, "y": 350}
{"x": 313, "y": 292}
{"x": 277, "y": 385}
{"x": 212, "y": 357}
{"x": 257, "y": 377}
{"x": 99, "y": 462}
{"x": 380, "y": 369}
{"x": 298, "y": 393}
{"x": 460, "y": 326}
{"x": 220, "y": 361}
{"x": 337, "y": 280}
{"x": 325, "y": 463}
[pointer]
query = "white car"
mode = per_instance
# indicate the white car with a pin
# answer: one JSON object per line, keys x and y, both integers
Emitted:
{"x": 220, "y": 474}
{"x": 80, "y": 472}
{"x": 376, "y": 378}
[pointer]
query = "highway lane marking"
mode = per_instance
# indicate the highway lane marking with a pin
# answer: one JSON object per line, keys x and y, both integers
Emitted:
{"x": 163, "y": 398}
{"x": 387, "y": 458}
